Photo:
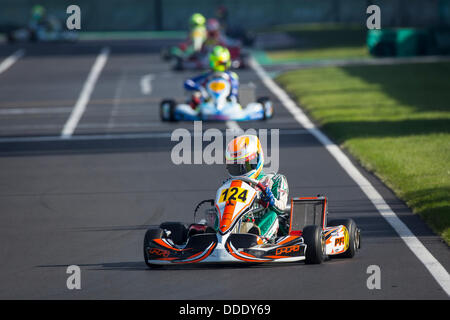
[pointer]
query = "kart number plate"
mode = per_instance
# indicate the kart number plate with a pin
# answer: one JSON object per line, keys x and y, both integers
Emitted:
{"x": 216, "y": 86}
{"x": 234, "y": 193}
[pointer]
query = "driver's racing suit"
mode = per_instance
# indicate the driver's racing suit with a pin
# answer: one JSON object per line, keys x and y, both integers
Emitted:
{"x": 268, "y": 223}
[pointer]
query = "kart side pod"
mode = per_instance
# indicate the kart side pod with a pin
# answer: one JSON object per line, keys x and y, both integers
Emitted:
{"x": 340, "y": 237}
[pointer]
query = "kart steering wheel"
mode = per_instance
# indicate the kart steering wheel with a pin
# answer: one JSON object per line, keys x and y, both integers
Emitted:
{"x": 252, "y": 182}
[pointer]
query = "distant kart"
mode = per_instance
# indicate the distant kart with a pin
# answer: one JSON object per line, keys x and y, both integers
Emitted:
{"x": 200, "y": 60}
{"x": 223, "y": 236}
{"x": 216, "y": 106}
{"x": 52, "y": 31}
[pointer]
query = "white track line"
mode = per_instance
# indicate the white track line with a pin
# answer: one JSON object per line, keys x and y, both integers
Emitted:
{"x": 88, "y": 137}
{"x": 113, "y": 136}
{"x": 439, "y": 273}
{"x": 21, "y": 111}
{"x": 83, "y": 99}
{"x": 234, "y": 126}
{"x": 146, "y": 84}
{"x": 9, "y": 61}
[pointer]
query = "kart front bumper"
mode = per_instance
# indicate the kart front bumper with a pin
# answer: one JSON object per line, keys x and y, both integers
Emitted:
{"x": 235, "y": 248}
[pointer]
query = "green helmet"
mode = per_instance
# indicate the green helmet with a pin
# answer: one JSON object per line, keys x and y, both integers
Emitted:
{"x": 219, "y": 59}
{"x": 37, "y": 11}
{"x": 197, "y": 19}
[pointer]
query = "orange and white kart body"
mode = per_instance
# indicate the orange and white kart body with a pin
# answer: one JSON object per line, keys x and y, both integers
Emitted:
{"x": 222, "y": 237}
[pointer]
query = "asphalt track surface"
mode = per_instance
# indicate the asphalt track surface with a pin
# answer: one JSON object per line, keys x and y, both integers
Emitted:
{"x": 88, "y": 201}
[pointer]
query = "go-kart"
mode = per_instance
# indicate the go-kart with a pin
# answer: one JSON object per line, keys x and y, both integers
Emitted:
{"x": 50, "y": 31}
{"x": 225, "y": 235}
{"x": 182, "y": 60}
{"x": 216, "y": 105}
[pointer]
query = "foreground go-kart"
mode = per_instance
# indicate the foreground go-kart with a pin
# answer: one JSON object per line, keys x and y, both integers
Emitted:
{"x": 216, "y": 106}
{"x": 223, "y": 235}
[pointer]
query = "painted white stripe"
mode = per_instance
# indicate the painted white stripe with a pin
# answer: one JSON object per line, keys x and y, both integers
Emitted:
{"x": 88, "y": 137}
{"x": 234, "y": 126}
{"x": 85, "y": 95}
{"x": 21, "y": 111}
{"x": 111, "y": 136}
{"x": 439, "y": 273}
{"x": 9, "y": 61}
{"x": 146, "y": 84}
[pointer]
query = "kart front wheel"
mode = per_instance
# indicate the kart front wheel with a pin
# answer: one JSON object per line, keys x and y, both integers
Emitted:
{"x": 165, "y": 54}
{"x": 179, "y": 64}
{"x": 315, "y": 244}
{"x": 167, "y": 110}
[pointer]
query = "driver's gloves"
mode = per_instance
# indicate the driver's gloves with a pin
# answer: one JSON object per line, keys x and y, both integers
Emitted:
{"x": 195, "y": 99}
{"x": 268, "y": 198}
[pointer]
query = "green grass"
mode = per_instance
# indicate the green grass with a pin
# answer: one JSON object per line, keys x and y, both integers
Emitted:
{"x": 395, "y": 120}
{"x": 314, "y": 54}
{"x": 322, "y": 41}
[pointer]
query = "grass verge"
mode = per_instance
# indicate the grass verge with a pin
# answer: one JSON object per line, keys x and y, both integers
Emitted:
{"x": 395, "y": 120}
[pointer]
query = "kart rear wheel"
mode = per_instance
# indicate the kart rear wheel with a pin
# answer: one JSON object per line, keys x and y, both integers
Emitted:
{"x": 315, "y": 244}
{"x": 267, "y": 107}
{"x": 353, "y": 234}
{"x": 167, "y": 110}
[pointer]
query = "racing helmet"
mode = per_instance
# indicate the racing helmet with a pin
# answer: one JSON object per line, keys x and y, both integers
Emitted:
{"x": 213, "y": 28}
{"x": 212, "y": 25}
{"x": 219, "y": 59}
{"x": 244, "y": 156}
{"x": 197, "y": 19}
{"x": 37, "y": 12}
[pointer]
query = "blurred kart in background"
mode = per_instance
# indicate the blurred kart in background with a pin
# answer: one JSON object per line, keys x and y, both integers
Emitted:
{"x": 50, "y": 31}
{"x": 183, "y": 59}
{"x": 216, "y": 105}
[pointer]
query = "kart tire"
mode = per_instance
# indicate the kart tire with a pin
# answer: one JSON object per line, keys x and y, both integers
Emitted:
{"x": 10, "y": 37}
{"x": 178, "y": 66}
{"x": 165, "y": 54}
{"x": 172, "y": 106}
{"x": 152, "y": 233}
{"x": 33, "y": 36}
{"x": 315, "y": 244}
{"x": 354, "y": 236}
{"x": 178, "y": 231}
{"x": 263, "y": 101}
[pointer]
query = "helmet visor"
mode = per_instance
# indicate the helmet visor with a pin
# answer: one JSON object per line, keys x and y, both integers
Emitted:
{"x": 239, "y": 169}
{"x": 218, "y": 65}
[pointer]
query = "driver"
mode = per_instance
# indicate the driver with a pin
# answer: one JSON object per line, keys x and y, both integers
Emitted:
{"x": 38, "y": 17}
{"x": 244, "y": 157}
{"x": 197, "y": 32}
{"x": 216, "y": 37}
{"x": 219, "y": 62}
